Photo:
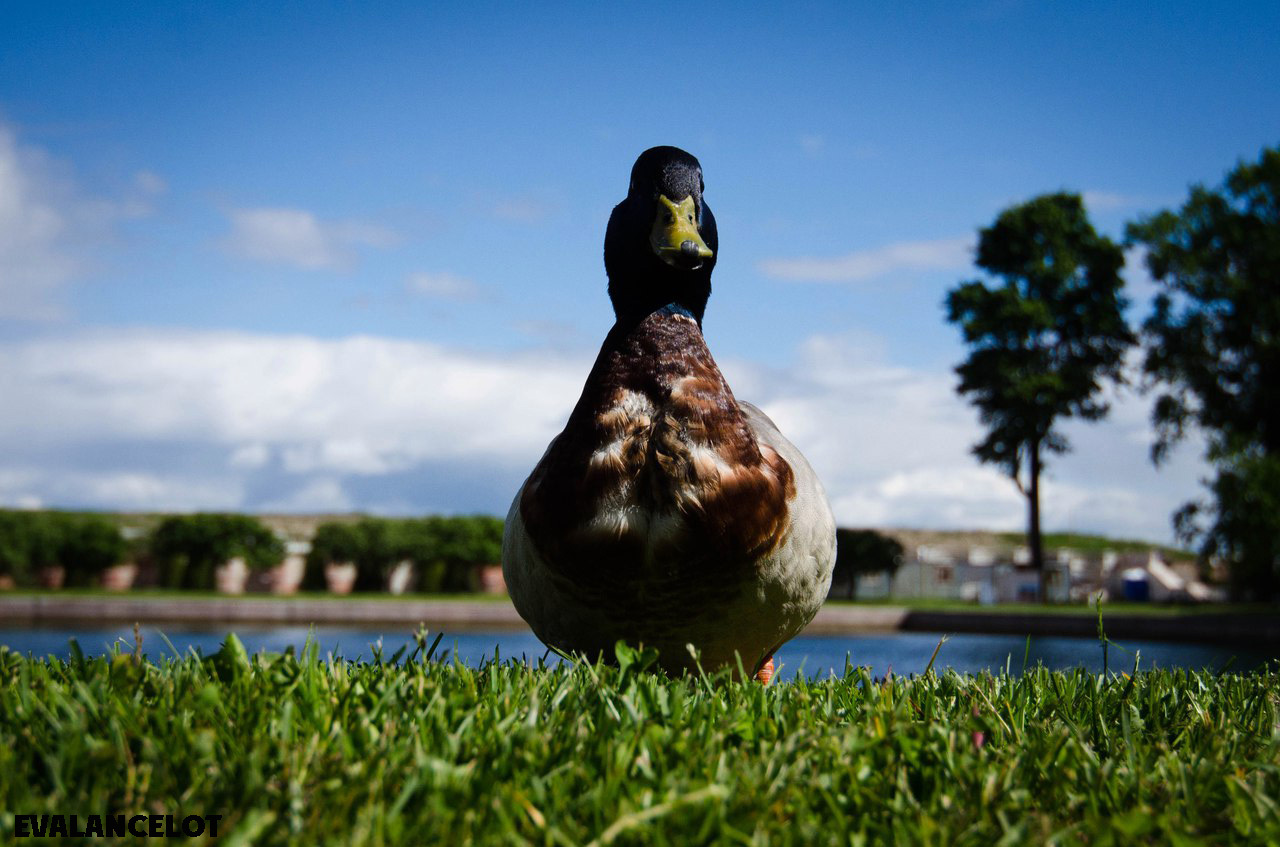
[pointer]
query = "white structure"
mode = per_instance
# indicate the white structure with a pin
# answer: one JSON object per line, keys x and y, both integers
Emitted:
{"x": 979, "y": 575}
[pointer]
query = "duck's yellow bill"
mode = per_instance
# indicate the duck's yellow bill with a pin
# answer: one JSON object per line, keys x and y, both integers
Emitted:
{"x": 675, "y": 238}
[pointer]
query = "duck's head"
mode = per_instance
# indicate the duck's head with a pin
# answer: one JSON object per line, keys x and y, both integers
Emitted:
{"x": 661, "y": 243}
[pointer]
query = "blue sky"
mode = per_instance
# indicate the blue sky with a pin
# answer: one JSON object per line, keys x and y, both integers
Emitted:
{"x": 309, "y": 257}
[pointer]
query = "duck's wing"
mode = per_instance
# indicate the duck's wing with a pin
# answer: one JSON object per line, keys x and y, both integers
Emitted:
{"x": 812, "y": 536}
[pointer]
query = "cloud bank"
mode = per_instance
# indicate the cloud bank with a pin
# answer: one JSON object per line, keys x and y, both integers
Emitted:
{"x": 443, "y": 285}
{"x": 297, "y": 238}
{"x": 49, "y": 227}
{"x": 941, "y": 254}
{"x": 186, "y": 420}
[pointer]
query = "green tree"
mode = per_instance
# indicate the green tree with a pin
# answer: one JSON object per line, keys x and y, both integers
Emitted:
{"x": 1213, "y": 350}
{"x": 444, "y": 550}
{"x": 15, "y": 545}
{"x": 465, "y": 542}
{"x": 334, "y": 542}
{"x": 29, "y": 541}
{"x": 381, "y": 546}
{"x": 1043, "y": 340}
{"x": 189, "y": 547}
{"x": 863, "y": 551}
{"x": 87, "y": 546}
{"x": 447, "y": 550}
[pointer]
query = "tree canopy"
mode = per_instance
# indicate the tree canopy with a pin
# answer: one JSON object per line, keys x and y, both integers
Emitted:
{"x": 863, "y": 551}
{"x": 84, "y": 544}
{"x": 1043, "y": 339}
{"x": 190, "y": 547}
{"x": 88, "y": 545}
{"x": 1213, "y": 351}
{"x": 445, "y": 550}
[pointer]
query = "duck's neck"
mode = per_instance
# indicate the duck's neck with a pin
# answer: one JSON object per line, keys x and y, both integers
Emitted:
{"x": 643, "y": 320}
{"x": 652, "y": 353}
{"x": 675, "y": 309}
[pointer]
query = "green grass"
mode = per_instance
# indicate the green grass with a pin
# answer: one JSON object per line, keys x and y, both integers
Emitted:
{"x": 1089, "y": 609}
{"x": 1095, "y": 544}
{"x": 296, "y": 749}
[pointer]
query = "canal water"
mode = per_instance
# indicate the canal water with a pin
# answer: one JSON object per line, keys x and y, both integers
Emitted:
{"x": 813, "y": 656}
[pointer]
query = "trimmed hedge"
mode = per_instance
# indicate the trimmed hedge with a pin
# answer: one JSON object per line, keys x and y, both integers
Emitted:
{"x": 83, "y": 544}
{"x": 444, "y": 550}
{"x": 186, "y": 549}
{"x": 189, "y": 547}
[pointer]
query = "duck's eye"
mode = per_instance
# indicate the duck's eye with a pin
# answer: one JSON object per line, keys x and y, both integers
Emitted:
{"x": 690, "y": 218}
{"x": 670, "y": 217}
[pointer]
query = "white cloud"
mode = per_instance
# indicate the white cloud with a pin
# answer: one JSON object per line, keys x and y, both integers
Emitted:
{"x": 325, "y": 495}
{"x": 297, "y": 238}
{"x": 1110, "y": 201}
{"x": 524, "y": 210}
{"x": 442, "y": 285}
{"x": 180, "y": 420}
{"x": 49, "y": 228}
{"x": 252, "y": 456}
{"x": 941, "y": 254}
{"x": 1140, "y": 287}
{"x": 150, "y": 183}
{"x": 812, "y": 144}
{"x": 355, "y": 403}
{"x": 137, "y": 490}
{"x": 891, "y": 445}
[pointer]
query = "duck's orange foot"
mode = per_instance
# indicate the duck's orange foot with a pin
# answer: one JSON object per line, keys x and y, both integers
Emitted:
{"x": 765, "y": 674}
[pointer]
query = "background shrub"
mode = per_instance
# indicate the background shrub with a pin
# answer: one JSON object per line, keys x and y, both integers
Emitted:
{"x": 444, "y": 550}
{"x": 334, "y": 543}
{"x": 189, "y": 547}
{"x": 86, "y": 546}
{"x": 860, "y": 552}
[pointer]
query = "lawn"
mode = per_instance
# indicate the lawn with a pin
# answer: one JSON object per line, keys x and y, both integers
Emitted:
{"x": 1087, "y": 609}
{"x": 299, "y": 749}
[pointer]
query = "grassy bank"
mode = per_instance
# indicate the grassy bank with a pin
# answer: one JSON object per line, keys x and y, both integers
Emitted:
{"x": 298, "y": 750}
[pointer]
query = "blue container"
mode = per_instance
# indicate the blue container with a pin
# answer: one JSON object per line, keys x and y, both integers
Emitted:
{"x": 1137, "y": 588}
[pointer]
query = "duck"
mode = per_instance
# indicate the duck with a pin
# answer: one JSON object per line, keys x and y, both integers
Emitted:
{"x": 667, "y": 514}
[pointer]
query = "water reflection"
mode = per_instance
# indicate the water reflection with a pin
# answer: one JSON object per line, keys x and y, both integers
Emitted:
{"x": 812, "y": 656}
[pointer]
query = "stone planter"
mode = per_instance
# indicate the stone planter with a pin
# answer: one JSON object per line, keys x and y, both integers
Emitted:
{"x": 340, "y": 577}
{"x": 400, "y": 578}
{"x": 261, "y": 581}
{"x": 231, "y": 577}
{"x": 119, "y": 577}
{"x": 51, "y": 577}
{"x": 491, "y": 581}
{"x": 288, "y": 574}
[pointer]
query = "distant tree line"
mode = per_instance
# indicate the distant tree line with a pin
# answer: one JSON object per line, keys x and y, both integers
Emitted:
{"x": 1047, "y": 335}
{"x": 185, "y": 550}
{"x": 443, "y": 551}
{"x": 84, "y": 545}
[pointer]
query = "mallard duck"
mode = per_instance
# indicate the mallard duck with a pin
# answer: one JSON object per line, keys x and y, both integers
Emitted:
{"x": 667, "y": 513}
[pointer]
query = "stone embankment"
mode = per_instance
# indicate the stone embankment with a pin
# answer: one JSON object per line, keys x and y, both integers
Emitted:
{"x": 210, "y": 612}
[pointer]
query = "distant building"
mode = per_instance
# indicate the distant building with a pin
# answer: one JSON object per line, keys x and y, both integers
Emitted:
{"x": 984, "y": 576}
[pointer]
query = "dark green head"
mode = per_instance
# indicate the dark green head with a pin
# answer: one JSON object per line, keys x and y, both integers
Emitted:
{"x": 660, "y": 247}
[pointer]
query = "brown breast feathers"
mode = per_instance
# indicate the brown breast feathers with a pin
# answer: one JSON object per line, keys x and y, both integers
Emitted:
{"x": 656, "y": 472}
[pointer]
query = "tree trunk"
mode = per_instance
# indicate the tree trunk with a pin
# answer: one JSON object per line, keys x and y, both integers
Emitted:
{"x": 1033, "y": 523}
